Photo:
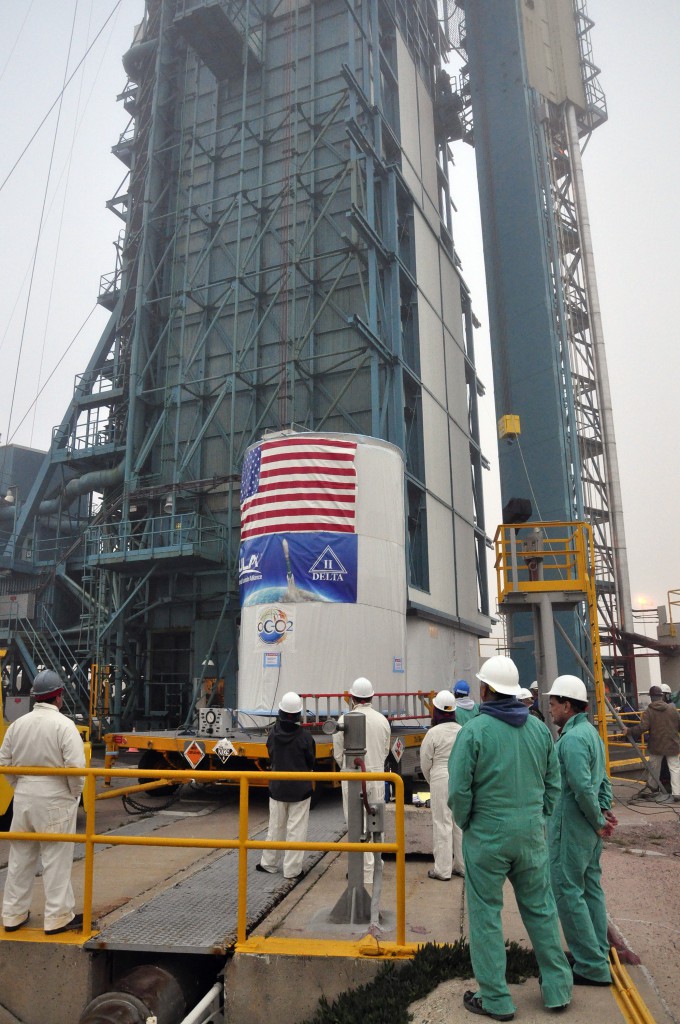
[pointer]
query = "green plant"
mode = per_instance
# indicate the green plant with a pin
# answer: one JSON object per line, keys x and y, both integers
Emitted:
{"x": 386, "y": 999}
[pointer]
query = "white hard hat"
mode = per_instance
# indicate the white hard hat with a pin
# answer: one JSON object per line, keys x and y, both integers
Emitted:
{"x": 362, "y": 688}
{"x": 445, "y": 701}
{"x": 569, "y": 686}
{"x": 500, "y": 673}
{"x": 291, "y": 703}
{"x": 46, "y": 684}
{"x": 665, "y": 688}
{"x": 534, "y": 685}
{"x": 524, "y": 694}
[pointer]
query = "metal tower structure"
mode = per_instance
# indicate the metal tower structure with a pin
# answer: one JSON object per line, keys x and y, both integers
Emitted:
{"x": 286, "y": 260}
{"x": 532, "y": 100}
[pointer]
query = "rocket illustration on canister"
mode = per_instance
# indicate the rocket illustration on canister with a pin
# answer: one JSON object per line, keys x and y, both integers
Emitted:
{"x": 292, "y": 591}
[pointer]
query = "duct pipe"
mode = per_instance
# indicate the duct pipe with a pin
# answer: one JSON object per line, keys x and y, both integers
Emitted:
{"x": 135, "y": 56}
{"x": 602, "y": 377}
{"x": 84, "y": 484}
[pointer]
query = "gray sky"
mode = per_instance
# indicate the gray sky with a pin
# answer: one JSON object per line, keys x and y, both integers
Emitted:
{"x": 631, "y": 167}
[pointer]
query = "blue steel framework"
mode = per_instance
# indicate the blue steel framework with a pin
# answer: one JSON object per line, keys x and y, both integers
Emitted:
{"x": 266, "y": 277}
{"x": 548, "y": 355}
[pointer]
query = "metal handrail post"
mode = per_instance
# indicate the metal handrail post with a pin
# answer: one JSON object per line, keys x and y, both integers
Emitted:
{"x": 89, "y": 803}
{"x": 241, "y": 915}
{"x": 399, "y": 818}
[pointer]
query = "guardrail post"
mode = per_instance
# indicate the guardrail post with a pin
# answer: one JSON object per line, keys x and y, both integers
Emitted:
{"x": 89, "y": 801}
{"x": 399, "y": 830}
{"x": 241, "y": 918}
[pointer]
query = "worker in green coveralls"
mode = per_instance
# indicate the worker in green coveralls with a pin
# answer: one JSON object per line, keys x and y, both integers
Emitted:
{"x": 503, "y": 780}
{"x": 582, "y": 819}
{"x": 465, "y": 706}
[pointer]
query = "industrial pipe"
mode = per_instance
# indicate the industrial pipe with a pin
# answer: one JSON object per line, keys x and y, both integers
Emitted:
{"x": 79, "y": 485}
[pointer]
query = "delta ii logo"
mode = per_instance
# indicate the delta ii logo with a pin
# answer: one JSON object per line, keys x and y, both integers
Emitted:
{"x": 273, "y": 626}
{"x": 328, "y": 567}
{"x": 249, "y": 569}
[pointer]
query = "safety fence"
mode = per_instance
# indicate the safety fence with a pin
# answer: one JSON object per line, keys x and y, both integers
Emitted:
{"x": 396, "y": 706}
{"x": 622, "y": 756}
{"x": 243, "y": 843}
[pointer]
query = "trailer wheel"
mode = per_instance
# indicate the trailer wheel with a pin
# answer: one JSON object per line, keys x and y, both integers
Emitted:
{"x": 6, "y": 817}
{"x": 149, "y": 760}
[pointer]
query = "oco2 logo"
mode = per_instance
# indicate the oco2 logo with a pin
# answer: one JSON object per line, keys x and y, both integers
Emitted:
{"x": 272, "y": 626}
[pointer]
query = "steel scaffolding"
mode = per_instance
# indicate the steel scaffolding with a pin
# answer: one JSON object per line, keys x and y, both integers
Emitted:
{"x": 266, "y": 278}
{"x": 572, "y": 470}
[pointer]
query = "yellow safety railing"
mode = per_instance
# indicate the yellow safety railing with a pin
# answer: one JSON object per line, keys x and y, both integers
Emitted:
{"x": 243, "y": 843}
{"x": 554, "y": 557}
{"x": 536, "y": 557}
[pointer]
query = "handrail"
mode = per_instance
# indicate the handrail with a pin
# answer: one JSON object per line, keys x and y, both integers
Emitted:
{"x": 242, "y": 843}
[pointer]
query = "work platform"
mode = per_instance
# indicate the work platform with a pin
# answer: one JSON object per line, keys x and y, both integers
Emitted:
{"x": 183, "y": 901}
{"x": 197, "y": 915}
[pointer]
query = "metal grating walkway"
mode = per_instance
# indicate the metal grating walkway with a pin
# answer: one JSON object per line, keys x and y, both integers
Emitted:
{"x": 198, "y": 915}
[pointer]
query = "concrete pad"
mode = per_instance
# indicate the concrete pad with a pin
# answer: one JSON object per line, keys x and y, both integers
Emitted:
{"x": 435, "y": 912}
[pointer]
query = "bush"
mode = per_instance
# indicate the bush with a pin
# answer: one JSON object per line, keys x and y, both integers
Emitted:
{"x": 386, "y": 999}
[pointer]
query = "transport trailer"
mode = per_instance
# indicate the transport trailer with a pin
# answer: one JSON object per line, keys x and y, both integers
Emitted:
{"x": 222, "y": 742}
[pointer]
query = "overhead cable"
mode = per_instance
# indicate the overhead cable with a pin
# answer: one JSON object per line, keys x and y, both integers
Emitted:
{"x": 53, "y": 105}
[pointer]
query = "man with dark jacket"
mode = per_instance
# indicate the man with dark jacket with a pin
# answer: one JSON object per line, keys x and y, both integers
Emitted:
{"x": 662, "y": 722}
{"x": 291, "y": 749}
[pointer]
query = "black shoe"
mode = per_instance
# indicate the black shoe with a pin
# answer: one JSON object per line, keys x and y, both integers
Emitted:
{"x": 579, "y": 979}
{"x": 295, "y": 878}
{"x": 16, "y": 927}
{"x": 73, "y": 926}
{"x": 473, "y": 1003}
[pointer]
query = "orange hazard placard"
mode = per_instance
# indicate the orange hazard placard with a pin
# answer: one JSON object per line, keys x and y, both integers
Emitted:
{"x": 194, "y": 753}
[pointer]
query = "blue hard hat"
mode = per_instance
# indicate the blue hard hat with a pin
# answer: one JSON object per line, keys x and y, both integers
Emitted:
{"x": 461, "y": 689}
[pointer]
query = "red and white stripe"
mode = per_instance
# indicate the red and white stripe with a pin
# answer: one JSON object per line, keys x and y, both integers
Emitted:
{"x": 305, "y": 485}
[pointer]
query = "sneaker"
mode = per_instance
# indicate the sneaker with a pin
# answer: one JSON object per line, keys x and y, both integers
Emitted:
{"x": 439, "y": 878}
{"x": 16, "y": 927}
{"x": 473, "y": 1003}
{"x": 73, "y": 926}
{"x": 580, "y": 979}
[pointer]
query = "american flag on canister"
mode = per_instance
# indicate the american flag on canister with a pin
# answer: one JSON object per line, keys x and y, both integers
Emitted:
{"x": 298, "y": 484}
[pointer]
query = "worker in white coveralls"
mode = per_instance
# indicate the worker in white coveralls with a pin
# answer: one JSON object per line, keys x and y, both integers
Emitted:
{"x": 42, "y": 803}
{"x": 447, "y": 838}
{"x": 291, "y": 749}
{"x": 378, "y": 737}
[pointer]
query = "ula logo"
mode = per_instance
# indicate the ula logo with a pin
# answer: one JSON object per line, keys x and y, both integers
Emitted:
{"x": 249, "y": 568}
{"x": 273, "y": 625}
